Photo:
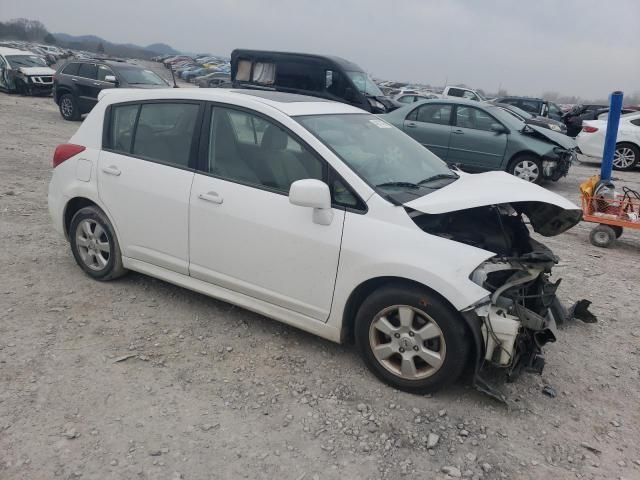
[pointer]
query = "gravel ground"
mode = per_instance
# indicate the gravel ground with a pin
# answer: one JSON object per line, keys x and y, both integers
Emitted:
{"x": 141, "y": 379}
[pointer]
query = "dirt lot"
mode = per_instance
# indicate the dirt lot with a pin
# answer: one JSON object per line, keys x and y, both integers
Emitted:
{"x": 210, "y": 391}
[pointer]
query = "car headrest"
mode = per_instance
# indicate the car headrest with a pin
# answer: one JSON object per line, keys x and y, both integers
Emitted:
{"x": 274, "y": 138}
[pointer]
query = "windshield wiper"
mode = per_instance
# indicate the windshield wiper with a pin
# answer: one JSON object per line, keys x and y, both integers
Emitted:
{"x": 439, "y": 176}
{"x": 399, "y": 184}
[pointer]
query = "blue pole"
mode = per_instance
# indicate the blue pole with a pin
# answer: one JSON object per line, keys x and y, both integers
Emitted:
{"x": 613, "y": 120}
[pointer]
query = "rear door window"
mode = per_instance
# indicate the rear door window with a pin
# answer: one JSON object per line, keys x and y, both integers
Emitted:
{"x": 165, "y": 131}
{"x": 434, "y": 113}
{"x": 88, "y": 70}
{"x": 71, "y": 69}
{"x": 530, "y": 106}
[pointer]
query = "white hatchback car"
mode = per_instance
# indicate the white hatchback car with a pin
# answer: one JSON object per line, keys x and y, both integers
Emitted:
{"x": 319, "y": 215}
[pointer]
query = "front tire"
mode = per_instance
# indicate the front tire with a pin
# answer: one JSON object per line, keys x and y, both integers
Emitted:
{"x": 626, "y": 156}
{"x": 411, "y": 339}
{"x": 69, "y": 107}
{"x": 94, "y": 244}
{"x": 526, "y": 167}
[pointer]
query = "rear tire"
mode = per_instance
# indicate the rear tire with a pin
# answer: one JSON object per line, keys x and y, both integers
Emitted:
{"x": 626, "y": 156}
{"x": 94, "y": 244}
{"x": 411, "y": 339}
{"x": 526, "y": 167}
{"x": 602, "y": 236}
{"x": 69, "y": 107}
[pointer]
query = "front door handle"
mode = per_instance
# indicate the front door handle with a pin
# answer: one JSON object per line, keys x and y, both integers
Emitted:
{"x": 212, "y": 197}
{"x": 458, "y": 132}
{"x": 97, "y": 84}
{"x": 411, "y": 125}
{"x": 112, "y": 170}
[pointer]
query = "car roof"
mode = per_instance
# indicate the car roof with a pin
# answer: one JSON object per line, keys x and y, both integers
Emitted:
{"x": 112, "y": 62}
{"x": 290, "y": 104}
{"x": 15, "y": 51}
{"x": 523, "y": 98}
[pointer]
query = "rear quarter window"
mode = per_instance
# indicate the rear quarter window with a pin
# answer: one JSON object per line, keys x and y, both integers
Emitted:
{"x": 122, "y": 123}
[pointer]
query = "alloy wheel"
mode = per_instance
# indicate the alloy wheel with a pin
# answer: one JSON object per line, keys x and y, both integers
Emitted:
{"x": 526, "y": 170}
{"x": 624, "y": 157}
{"x": 93, "y": 244}
{"x": 66, "y": 106}
{"x": 407, "y": 342}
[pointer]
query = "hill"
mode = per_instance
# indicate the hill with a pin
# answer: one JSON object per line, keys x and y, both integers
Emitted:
{"x": 91, "y": 43}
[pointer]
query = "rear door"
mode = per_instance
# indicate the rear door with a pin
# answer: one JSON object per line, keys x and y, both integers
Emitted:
{"x": 85, "y": 84}
{"x": 474, "y": 145}
{"x": 144, "y": 179}
{"x": 430, "y": 125}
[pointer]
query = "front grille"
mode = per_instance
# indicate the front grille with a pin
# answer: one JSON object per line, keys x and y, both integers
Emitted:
{"x": 44, "y": 80}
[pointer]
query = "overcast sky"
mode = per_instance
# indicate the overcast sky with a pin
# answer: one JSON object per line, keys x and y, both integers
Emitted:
{"x": 526, "y": 46}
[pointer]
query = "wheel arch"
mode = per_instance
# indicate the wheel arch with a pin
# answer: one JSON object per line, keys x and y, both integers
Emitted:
{"x": 364, "y": 289}
{"x": 61, "y": 91}
{"x": 77, "y": 203}
{"x": 523, "y": 153}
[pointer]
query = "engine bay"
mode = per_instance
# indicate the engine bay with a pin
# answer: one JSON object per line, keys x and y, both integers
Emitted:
{"x": 519, "y": 316}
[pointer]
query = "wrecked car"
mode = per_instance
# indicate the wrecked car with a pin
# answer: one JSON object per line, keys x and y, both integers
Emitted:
{"x": 481, "y": 137}
{"x": 319, "y": 215}
{"x": 24, "y": 72}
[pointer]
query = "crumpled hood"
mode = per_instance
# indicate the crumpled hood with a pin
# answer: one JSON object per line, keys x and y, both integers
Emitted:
{"x": 37, "y": 71}
{"x": 558, "y": 138}
{"x": 549, "y": 213}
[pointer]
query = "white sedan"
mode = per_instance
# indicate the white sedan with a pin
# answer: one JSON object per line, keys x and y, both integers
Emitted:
{"x": 319, "y": 215}
{"x": 590, "y": 140}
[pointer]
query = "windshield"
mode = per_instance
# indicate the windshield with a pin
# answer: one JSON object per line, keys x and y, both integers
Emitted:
{"x": 138, "y": 76}
{"x": 17, "y": 61}
{"x": 363, "y": 82}
{"x": 380, "y": 154}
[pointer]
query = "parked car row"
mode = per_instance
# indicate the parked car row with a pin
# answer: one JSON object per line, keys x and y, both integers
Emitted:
{"x": 204, "y": 70}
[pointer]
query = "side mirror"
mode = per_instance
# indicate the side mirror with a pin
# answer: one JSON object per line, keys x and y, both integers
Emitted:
{"x": 314, "y": 194}
{"x": 499, "y": 128}
{"x": 111, "y": 79}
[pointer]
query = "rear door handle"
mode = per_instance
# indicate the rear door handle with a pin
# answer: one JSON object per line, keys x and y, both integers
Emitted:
{"x": 74, "y": 79}
{"x": 458, "y": 132}
{"x": 112, "y": 170}
{"x": 411, "y": 125}
{"x": 212, "y": 197}
{"x": 97, "y": 84}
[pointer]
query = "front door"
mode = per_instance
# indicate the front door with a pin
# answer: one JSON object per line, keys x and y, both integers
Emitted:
{"x": 244, "y": 234}
{"x": 474, "y": 145}
{"x": 429, "y": 125}
{"x": 145, "y": 177}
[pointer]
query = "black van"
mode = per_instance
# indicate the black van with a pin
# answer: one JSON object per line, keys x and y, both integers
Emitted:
{"x": 317, "y": 75}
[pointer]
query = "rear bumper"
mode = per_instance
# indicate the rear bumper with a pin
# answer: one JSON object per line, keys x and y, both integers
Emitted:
{"x": 56, "y": 202}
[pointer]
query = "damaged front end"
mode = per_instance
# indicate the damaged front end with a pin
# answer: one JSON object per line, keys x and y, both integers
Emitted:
{"x": 518, "y": 317}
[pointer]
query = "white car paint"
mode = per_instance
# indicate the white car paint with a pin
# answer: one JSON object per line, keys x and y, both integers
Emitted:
{"x": 36, "y": 71}
{"x": 257, "y": 250}
{"x": 592, "y": 144}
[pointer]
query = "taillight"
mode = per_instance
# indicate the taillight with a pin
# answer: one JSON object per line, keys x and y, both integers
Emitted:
{"x": 66, "y": 151}
{"x": 587, "y": 129}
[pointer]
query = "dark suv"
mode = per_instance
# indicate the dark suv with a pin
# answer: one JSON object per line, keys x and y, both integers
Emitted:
{"x": 536, "y": 106}
{"x": 77, "y": 83}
